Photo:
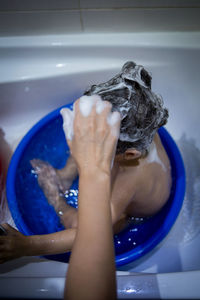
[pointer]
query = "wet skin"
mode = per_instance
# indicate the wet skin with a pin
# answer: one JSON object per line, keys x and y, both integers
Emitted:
{"x": 139, "y": 188}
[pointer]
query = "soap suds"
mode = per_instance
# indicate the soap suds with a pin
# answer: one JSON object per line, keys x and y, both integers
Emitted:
{"x": 142, "y": 111}
{"x": 113, "y": 118}
{"x": 68, "y": 121}
{"x": 86, "y": 103}
{"x": 153, "y": 156}
{"x": 136, "y": 74}
{"x": 126, "y": 138}
{"x": 100, "y": 105}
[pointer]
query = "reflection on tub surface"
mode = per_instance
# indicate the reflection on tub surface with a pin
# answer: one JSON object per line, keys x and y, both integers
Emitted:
{"x": 189, "y": 216}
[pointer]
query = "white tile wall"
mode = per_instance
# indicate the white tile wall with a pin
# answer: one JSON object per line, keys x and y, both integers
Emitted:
{"x": 137, "y": 20}
{"x": 38, "y": 23}
{"x": 7, "y": 5}
{"x": 138, "y": 3}
{"x": 33, "y": 17}
{"x": 24, "y": 5}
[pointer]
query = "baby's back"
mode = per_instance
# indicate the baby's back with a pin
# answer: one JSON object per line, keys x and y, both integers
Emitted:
{"x": 152, "y": 181}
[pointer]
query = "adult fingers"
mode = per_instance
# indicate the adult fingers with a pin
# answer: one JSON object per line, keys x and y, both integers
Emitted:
{"x": 102, "y": 115}
{"x": 9, "y": 229}
{"x": 2, "y": 230}
{"x": 68, "y": 120}
{"x": 78, "y": 117}
{"x": 86, "y": 104}
{"x": 84, "y": 119}
{"x": 77, "y": 111}
{"x": 114, "y": 121}
{"x": 85, "y": 107}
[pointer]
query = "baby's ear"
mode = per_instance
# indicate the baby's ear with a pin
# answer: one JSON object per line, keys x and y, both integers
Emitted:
{"x": 132, "y": 153}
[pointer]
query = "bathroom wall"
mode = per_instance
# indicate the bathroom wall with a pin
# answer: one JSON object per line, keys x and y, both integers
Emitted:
{"x": 33, "y": 17}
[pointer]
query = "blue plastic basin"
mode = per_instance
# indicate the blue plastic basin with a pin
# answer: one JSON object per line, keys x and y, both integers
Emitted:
{"x": 33, "y": 215}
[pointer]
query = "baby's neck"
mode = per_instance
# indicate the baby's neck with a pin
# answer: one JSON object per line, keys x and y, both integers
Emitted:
{"x": 153, "y": 156}
{"x": 127, "y": 163}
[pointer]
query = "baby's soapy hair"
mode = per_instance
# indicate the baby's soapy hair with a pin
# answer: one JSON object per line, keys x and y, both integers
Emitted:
{"x": 142, "y": 111}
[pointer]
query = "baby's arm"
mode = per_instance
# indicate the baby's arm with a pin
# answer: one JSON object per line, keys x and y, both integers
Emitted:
{"x": 48, "y": 176}
{"x": 15, "y": 244}
{"x": 52, "y": 188}
{"x": 68, "y": 173}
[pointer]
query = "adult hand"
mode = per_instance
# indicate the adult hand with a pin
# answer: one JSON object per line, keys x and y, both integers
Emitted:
{"x": 95, "y": 136}
{"x": 93, "y": 146}
{"x": 12, "y": 245}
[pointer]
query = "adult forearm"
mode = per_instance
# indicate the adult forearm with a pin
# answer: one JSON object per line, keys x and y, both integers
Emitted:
{"x": 55, "y": 243}
{"x": 91, "y": 273}
{"x": 92, "y": 266}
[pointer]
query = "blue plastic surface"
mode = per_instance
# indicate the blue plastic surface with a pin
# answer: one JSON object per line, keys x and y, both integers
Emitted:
{"x": 33, "y": 215}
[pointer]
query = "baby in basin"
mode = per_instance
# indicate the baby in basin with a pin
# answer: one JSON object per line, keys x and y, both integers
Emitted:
{"x": 141, "y": 177}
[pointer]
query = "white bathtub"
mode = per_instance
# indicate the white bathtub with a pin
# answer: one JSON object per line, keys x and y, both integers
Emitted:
{"x": 39, "y": 74}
